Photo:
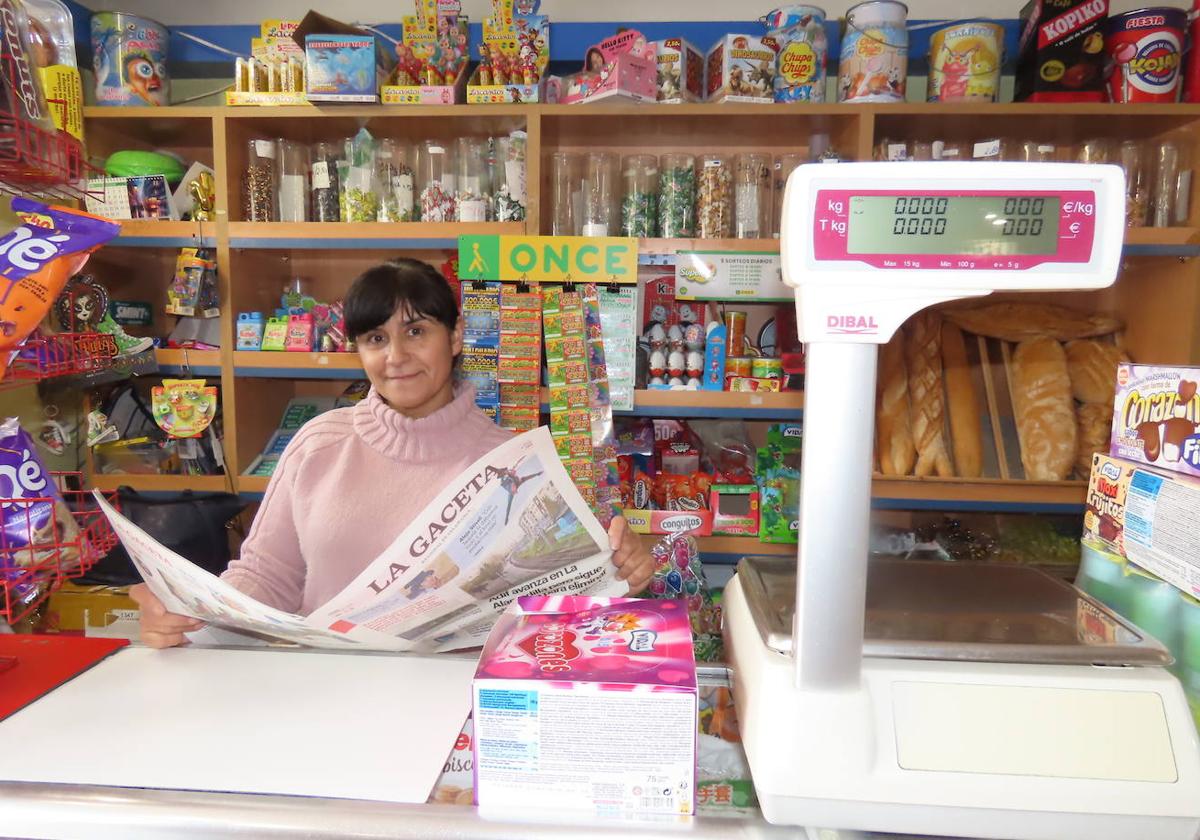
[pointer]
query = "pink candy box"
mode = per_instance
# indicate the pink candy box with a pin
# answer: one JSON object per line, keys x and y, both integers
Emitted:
{"x": 589, "y": 704}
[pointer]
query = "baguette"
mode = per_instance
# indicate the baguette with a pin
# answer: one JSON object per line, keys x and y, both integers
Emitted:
{"x": 1092, "y": 366}
{"x": 1020, "y": 321}
{"x": 962, "y": 404}
{"x": 923, "y": 354}
{"x": 1045, "y": 412}
{"x": 893, "y": 428}
{"x": 1094, "y": 422}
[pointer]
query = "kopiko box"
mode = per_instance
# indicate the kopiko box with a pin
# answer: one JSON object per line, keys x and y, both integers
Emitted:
{"x": 588, "y": 704}
{"x": 1147, "y": 516}
{"x": 740, "y": 68}
{"x": 1060, "y": 57}
{"x": 1156, "y": 417}
{"x": 680, "y": 71}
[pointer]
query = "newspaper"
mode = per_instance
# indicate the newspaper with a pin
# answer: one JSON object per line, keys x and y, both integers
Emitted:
{"x": 511, "y": 524}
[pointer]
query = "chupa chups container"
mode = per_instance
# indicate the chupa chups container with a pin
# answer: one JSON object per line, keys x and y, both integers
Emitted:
{"x": 1060, "y": 57}
{"x": 874, "y": 57}
{"x": 1145, "y": 48}
{"x": 129, "y": 56}
{"x": 964, "y": 62}
{"x": 798, "y": 33}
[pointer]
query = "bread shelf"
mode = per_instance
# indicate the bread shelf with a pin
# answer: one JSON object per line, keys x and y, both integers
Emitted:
{"x": 978, "y": 493}
{"x": 160, "y": 483}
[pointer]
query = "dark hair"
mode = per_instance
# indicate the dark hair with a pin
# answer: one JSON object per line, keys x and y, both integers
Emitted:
{"x": 400, "y": 284}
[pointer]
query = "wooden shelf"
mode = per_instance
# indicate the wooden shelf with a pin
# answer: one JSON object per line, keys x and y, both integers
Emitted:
{"x": 103, "y": 112}
{"x": 160, "y": 483}
{"x": 1162, "y": 236}
{"x": 980, "y": 492}
{"x": 362, "y": 235}
{"x": 253, "y": 483}
{"x": 206, "y": 362}
{"x": 150, "y": 233}
{"x": 297, "y": 365}
{"x": 760, "y": 405}
{"x": 736, "y": 546}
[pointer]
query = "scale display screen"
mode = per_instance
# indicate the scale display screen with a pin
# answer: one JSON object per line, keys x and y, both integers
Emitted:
{"x": 976, "y": 225}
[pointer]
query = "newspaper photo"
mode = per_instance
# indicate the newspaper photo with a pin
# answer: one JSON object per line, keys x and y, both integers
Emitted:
{"x": 511, "y": 524}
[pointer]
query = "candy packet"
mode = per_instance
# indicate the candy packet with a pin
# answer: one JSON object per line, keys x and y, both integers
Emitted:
{"x": 37, "y": 258}
{"x": 35, "y": 522}
{"x": 679, "y": 574}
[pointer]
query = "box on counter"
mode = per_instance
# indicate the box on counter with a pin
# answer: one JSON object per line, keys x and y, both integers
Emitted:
{"x": 680, "y": 74}
{"x": 1147, "y": 516}
{"x": 1060, "y": 57}
{"x": 734, "y": 510}
{"x": 696, "y": 523}
{"x": 622, "y": 67}
{"x": 105, "y": 611}
{"x": 587, "y": 703}
{"x": 1156, "y": 417}
{"x": 740, "y": 68}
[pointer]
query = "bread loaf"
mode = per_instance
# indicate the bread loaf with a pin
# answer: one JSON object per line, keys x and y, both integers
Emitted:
{"x": 962, "y": 405}
{"x": 893, "y": 428}
{"x": 923, "y": 355}
{"x": 1045, "y": 412}
{"x": 1094, "y": 422}
{"x": 1092, "y": 366}
{"x": 1019, "y": 321}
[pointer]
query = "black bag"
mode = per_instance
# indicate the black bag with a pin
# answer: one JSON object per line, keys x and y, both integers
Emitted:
{"x": 193, "y": 525}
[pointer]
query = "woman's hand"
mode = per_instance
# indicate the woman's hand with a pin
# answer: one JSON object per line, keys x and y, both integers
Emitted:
{"x": 161, "y": 629}
{"x": 632, "y": 559}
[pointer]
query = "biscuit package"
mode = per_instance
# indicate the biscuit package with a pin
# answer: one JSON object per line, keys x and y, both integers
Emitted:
{"x": 35, "y": 523}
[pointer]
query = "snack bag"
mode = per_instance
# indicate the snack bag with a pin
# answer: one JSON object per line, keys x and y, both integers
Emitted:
{"x": 35, "y": 522}
{"x": 37, "y": 259}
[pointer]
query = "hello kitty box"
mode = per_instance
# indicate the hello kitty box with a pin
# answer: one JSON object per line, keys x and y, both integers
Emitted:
{"x": 587, "y": 704}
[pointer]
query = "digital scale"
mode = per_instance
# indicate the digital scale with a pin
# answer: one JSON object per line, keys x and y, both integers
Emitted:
{"x": 976, "y": 714}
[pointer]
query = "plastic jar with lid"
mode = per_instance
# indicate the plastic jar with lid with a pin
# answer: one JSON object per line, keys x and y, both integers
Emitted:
{"x": 752, "y": 195}
{"x": 639, "y": 201}
{"x": 326, "y": 186}
{"x": 258, "y": 181}
{"x": 600, "y": 211}
{"x": 394, "y": 174}
{"x": 676, "y": 196}
{"x": 436, "y": 181}
{"x": 508, "y": 178}
{"x": 293, "y": 180}
{"x": 473, "y": 179}
{"x": 566, "y": 195}
{"x": 714, "y": 197}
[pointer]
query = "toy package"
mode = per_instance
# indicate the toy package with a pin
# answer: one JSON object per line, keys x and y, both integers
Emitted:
{"x": 741, "y": 68}
{"x": 680, "y": 74}
{"x": 43, "y": 248}
{"x": 35, "y": 523}
{"x": 184, "y": 408}
{"x": 274, "y": 72}
{"x": 513, "y": 56}
{"x": 778, "y": 475}
{"x": 432, "y": 56}
{"x": 621, "y": 67}
{"x": 1156, "y": 417}
{"x": 588, "y": 703}
{"x": 194, "y": 268}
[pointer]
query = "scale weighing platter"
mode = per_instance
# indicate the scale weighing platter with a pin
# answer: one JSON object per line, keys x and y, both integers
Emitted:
{"x": 962, "y": 611}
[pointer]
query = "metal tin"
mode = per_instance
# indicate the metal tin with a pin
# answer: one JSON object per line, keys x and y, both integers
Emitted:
{"x": 964, "y": 62}
{"x": 739, "y": 366}
{"x": 874, "y": 56}
{"x": 735, "y": 332}
{"x": 765, "y": 367}
{"x": 801, "y": 48}
{"x": 1146, "y": 49}
{"x": 129, "y": 56}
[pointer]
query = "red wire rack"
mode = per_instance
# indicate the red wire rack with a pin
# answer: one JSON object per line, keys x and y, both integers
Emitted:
{"x": 64, "y": 354}
{"x": 77, "y": 535}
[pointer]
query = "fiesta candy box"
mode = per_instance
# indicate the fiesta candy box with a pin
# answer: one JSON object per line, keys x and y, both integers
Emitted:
{"x": 680, "y": 74}
{"x": 588, "y": 704}
{"x": 1156, "y": 417}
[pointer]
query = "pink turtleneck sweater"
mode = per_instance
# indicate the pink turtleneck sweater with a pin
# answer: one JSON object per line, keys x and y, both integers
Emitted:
{"x": 349, "y": 482}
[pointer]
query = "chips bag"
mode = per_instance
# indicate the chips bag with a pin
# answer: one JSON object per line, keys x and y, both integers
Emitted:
{"x": 37, "y": 258}
{"x": 35, "y": 523}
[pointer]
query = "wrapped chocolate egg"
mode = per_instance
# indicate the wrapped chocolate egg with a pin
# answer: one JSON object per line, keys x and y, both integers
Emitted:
{"x": 656, "y": 337}
{"x": 693, "y": 337}
{"x": 676, "y": 382}
{"x": 657, "y": 380}
{"x": 694, "y": 364}
{"x": 687, "y": 314}
{"x": 675, "y": 363}
{"x": 658, "y": 363}
{"x": 675, "y": 338}
{"x": 693, "y": 382}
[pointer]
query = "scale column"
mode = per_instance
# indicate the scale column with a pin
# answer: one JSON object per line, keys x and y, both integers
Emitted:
{"x": 835, "y": 513}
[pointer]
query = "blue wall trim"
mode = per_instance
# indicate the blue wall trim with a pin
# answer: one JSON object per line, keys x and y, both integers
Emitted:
{"x": 568, "y": 42}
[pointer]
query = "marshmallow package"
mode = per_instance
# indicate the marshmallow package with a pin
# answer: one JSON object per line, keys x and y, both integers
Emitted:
{"x": 589, "y": 704}
{"x": 1156, "y": 417}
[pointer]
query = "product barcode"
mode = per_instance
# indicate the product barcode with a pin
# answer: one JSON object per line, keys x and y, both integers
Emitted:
{"x": 655, "y": 802}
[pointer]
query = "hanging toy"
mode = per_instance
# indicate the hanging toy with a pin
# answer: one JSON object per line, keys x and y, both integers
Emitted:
{"x": 53, "y": 436}
{"x": 100, "y": 430}
{"x": 82, "y": 304}
{"x": 184, "y": 408}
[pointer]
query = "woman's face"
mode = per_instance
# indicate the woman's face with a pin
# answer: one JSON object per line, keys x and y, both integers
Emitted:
{"x": 410, "y": 361}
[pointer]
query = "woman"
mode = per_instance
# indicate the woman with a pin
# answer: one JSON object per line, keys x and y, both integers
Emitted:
{"x": 354, "y": 478}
